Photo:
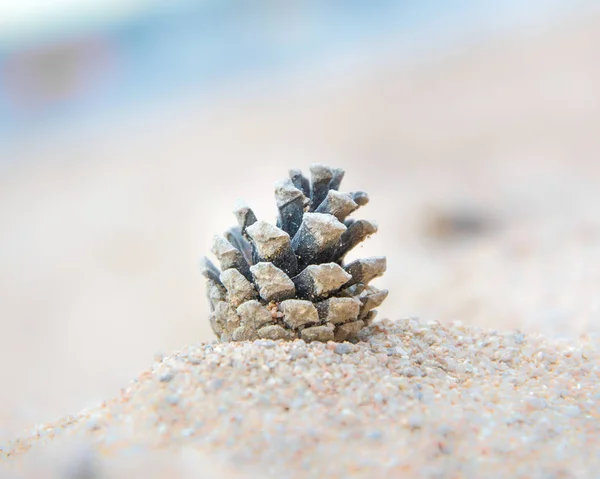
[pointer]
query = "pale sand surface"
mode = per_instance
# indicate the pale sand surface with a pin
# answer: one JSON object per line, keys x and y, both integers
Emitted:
{"x": 410, "y": 400}
{"x": 101, "y": 239}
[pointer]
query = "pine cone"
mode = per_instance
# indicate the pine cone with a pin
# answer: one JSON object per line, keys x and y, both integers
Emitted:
{"x": 289, "y": 281}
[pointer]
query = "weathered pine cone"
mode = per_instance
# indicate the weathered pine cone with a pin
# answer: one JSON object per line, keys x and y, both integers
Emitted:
{"x": 289, "y": 281}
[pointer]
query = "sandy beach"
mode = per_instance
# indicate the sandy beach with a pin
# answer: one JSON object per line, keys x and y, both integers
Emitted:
{"x": 99, "y": 280}
{"x": 409, "y": 400}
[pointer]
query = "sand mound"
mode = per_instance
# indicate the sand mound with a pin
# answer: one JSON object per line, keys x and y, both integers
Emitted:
{"x": 411, "y": 399}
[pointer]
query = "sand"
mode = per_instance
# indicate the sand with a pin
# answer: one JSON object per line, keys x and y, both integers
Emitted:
{"x": 411, "y": 399}
{"x": 102, "y": 233}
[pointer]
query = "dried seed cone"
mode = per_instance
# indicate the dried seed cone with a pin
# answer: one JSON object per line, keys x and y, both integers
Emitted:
{"x": 290, "y": 281}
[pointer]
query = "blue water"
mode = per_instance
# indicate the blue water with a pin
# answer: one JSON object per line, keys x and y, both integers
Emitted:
{"x": 174, "y": 49}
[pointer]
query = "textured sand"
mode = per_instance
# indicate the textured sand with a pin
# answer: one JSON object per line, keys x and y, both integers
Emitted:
{"x": 410, "y": 400}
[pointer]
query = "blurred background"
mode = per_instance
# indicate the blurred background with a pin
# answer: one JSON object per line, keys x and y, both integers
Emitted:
{"x": 128, "y": 128}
